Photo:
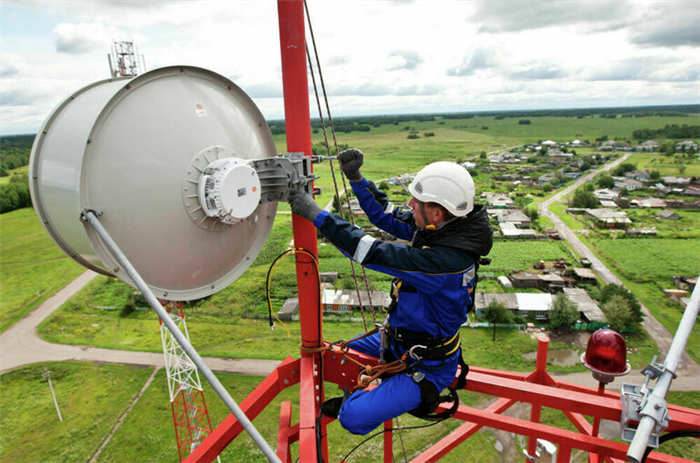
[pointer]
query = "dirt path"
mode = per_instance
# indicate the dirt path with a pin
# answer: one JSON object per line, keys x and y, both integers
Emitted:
{"x": 21, "y": 345}
{"x": 661, "y": 336}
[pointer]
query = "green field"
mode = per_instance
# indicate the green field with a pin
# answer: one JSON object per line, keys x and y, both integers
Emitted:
{"x": 92, "y": 397}
{"x": 667, "y": 165}
{"x": 390, "y": 153}
{"x": 651, "y": 259}
{"x": 32, "y": 267}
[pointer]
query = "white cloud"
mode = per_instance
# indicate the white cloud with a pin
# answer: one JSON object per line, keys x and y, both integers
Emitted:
{"x": 401, "y": 56}
{"x": 76, "y": 39}
{"x": 403, "y": 60}
{"x": 479, "y": 60}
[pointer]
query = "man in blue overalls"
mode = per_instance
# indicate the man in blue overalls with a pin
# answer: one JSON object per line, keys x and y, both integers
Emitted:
{"x": 432, "y": 290}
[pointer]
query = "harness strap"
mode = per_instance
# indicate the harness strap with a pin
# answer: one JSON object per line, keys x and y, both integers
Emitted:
{"x": 424, "y": 346}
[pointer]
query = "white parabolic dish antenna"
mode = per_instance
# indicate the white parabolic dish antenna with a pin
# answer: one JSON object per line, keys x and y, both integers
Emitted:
{"x": 163, "y": 157}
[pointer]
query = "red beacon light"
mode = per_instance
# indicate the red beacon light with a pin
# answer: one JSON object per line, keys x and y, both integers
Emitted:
{"x": 606, "y": 355}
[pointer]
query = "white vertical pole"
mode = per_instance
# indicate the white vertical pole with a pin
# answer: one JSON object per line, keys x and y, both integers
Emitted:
{"x": 47, "y": 375}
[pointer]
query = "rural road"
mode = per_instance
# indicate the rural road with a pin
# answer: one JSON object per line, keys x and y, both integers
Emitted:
{"x": 21, "y": 345}
{"x": 661, "y": 336}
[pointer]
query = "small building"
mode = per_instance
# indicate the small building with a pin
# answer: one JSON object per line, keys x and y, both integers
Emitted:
{"x": 584, "y": 276}
{"x": 637, "y": 174}
{"x": 511, "y": 231}
{"x": 345, "y": 300}
{"x": 629, "y": 184}
{"x": 517, "y": 217}
{"x": 403, "y": 179}
{"x": 650, "y": 146}
{"x": 537, "y": 304}
{"x": 668, "y": 215}
{"x": 545, "y": 178}
{"x": 587, "y": 307}
{"x": 654, "y": 203}
{"x": 606, "y": 194}
{"x": 289, "y": 309}
{"x": 661, "y": 189}
{"x": 686, "y": 145}
{"x": 609, "y": 218}
{"x": 673, "y": 181}
{"x": 498, "y": 200}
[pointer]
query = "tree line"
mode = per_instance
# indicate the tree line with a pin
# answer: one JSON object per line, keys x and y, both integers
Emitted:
{"x": 674, "y": 131}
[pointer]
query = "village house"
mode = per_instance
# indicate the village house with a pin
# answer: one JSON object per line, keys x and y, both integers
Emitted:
{"x": 403, "y": 179}
{"x": 638, "y": 175}
{"x": 582, "y": 276}
{"x": 511, "y": 231}
{"x": 650, "y": 146}
{"x": 606, "y": 194}
{"x": 668, "y": 215}
{"x": 650, "y": 202}
{"x": 517, "y": 217}
{"x": 345, "y": 300}
{"x": 627, "y": 183}
{"x": 692, "y": 191}
{"x": 559, "y": 156}
{"x": 587, "y": 307}
{"x": 673, "y": 181}
{"x": 545, "y": 178}
{"x": 498, "y": 200}
{"x": 686, "y": 145}
{"x": 609, "y": 218}
{"x": 508, "y": 177}
{"x": 661, "y": 189}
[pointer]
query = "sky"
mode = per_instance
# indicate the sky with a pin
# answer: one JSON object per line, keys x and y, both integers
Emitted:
{"x": 377, "y": 57}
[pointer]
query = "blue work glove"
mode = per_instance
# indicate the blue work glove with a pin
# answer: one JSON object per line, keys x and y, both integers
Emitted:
{"x": 351, "y": 160}
{"x": 303, "y": 205}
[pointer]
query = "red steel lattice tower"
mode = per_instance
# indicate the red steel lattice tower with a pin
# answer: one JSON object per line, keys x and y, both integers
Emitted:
{"x": 190, "y": 415}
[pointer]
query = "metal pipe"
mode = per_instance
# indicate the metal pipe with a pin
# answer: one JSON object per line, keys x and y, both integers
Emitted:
{"x": 90, "y": 217}
{"x": 655, "y": 405}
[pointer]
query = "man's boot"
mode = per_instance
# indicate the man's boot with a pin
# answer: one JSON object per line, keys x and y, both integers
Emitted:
{"x": 331, "y": 407}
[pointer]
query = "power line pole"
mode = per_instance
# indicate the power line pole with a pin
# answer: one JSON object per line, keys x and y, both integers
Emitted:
{"x": 47, "y": 375}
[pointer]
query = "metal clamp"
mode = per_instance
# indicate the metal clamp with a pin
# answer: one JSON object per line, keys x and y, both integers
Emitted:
{"x": 279, "y": 175}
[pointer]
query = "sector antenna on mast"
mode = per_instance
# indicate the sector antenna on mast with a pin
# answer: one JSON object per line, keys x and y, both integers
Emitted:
{"x": 124, "y": 60}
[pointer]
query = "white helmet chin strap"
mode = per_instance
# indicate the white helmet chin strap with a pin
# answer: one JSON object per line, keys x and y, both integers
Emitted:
{"x": 428, "y": 225}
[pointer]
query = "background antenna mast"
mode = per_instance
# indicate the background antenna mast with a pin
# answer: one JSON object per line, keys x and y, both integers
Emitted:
{"x": 124, "y": 60}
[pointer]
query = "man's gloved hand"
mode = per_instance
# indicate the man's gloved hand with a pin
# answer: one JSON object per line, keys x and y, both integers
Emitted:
{"x": 351, "y": 160}
{"x": 303, "y": 205}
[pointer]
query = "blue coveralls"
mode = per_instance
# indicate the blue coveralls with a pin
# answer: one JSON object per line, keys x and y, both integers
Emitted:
{"x": 435, "y": 291}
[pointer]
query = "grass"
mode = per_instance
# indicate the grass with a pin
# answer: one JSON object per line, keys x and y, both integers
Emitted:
{"x": 510, "y": 255}
{"x": 153, "y": 413}
{"x": 651, "y": 259}
{"x": 667, "y": 165}
{"x": 646, "y": 269}
{"x": 91, "y": 399}
{"x": 93, "y": 396}
{"x": 32, "y": 267}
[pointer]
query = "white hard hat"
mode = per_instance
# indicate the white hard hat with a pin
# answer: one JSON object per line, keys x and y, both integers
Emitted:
{"x": 447, "y": 184}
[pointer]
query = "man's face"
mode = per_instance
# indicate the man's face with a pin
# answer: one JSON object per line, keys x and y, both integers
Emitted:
{"x": 420, "y": 216}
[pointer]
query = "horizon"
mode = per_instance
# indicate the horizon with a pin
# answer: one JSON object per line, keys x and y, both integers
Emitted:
{"x": 393, "y": 57}
{"x": 475, "y": 113}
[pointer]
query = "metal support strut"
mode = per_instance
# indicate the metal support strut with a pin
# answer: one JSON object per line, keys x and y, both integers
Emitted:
{"x": 654, "y": 408}
{"x": 91, "y": 217}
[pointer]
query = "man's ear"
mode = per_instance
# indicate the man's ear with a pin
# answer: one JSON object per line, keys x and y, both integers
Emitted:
{"x": 437, "y": 215}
